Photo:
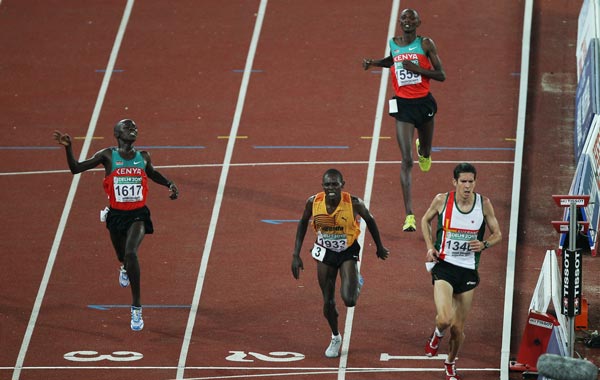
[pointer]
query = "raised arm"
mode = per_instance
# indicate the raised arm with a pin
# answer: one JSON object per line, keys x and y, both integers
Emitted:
{"x": 75, "y": 166}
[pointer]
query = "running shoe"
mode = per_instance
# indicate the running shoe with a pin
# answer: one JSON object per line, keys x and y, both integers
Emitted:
{"x": 137, "y": 322}
{"x": 433, "y": 343}
{"x": 333, "y": 351}
{"x": 123, "y": 277}
{"x": 451, "y": 371}
{"x": 410, "y": 223}
{"x": 424, "y": 162}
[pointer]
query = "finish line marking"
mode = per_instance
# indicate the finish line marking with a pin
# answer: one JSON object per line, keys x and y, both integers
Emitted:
{"x": 262, "y": 164}
{"x": 239, "y": 368}
{"x": 385, "y": 357}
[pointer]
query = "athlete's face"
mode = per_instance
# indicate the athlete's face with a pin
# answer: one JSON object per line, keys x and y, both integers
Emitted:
{"x": 465, "y": 185}
{"x": 128, "y": 131}
{"x": 409, "y": 20}
{"x": 332, "y": 186}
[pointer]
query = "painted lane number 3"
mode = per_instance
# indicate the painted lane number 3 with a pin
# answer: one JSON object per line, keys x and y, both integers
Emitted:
{"x": 94, "y": 356}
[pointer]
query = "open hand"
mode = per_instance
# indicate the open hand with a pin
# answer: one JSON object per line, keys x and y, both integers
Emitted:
{"x": 383, "y": 253}
{"x": 62, "y": 139}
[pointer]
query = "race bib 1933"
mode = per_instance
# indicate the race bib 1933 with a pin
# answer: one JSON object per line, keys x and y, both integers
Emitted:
{"x": 334, "y": 242}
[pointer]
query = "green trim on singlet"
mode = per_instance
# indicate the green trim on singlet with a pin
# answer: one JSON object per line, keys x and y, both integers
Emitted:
{"x": 136, "y": 162}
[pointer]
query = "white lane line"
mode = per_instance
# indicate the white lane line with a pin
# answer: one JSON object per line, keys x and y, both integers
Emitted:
{"x": 369, "y": 182}
{"x": 236, "y": 368}
{"x": 220, "y": 190}
{"x": 72, "y": 190}
{"x": 516, "y": 193}
{"x": 259, "y": 164}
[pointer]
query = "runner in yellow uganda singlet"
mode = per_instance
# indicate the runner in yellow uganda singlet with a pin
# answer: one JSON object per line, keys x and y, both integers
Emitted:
{"x": 336, "y": 231}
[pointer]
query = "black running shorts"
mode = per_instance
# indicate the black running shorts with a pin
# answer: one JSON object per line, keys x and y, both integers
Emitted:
{"x": 461, "y": 279}
{"x": 416, "y": 111}
{"x": 336, "y": 259}
{"x": 120, "y": 220}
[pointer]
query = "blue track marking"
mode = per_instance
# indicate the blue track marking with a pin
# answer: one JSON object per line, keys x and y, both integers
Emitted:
{"x": 28, "y": 147}
{"x": 170, "y": 147}
{"x": 108, "y": 307}
{"x": 300, "y": 147}
{"x": 440, "y": 148}
{"x": 280, "y": 221}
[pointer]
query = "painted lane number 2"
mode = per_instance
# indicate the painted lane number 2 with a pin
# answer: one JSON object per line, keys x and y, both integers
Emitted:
{"x": 276, "y": 356}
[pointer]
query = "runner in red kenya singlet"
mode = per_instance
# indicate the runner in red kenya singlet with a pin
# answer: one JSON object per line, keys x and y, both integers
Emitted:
{"x": 413, "y": 61}
{"x": 128, "y": 219}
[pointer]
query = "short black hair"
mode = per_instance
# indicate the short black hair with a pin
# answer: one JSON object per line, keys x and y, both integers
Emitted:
{"x": 464, "y": 167}
{"x": 334, "y": 172}
{"x": 411, "y": 10}
{"x": 122, "y": 123}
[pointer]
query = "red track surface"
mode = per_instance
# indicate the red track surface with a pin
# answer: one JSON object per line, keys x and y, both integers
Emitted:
{"x": 176, "y": 77}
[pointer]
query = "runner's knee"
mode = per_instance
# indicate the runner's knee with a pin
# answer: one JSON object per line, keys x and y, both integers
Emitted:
{"x": 329, "y": 307}
{"x": 130, "y": 256}
{"x": 445, "y": 318}
{"x": 349, "y": 297}
{"x": 350, "y": 302}
{"x": 407, "y": 163}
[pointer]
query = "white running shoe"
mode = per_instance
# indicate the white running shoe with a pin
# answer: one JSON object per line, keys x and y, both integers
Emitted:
{"x": 333, "y": 351}
{"x": 123, "y": 277}
{"x": 137, "y": 322}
